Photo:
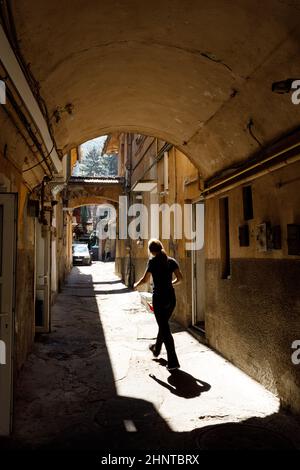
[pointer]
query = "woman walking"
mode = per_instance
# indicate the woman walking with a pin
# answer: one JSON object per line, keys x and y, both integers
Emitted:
{"x": 162, "y": 267}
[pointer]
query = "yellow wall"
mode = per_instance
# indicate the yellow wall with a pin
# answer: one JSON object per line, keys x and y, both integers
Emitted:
{"x": 253, "y": 317}
{"x": 181, "y": 171}
{"x": 74, "y": 158}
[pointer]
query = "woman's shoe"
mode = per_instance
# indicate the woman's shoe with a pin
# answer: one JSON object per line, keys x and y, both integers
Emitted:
{"x": 153, "y": 350}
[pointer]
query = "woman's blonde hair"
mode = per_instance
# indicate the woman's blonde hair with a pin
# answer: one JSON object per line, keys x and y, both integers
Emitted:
{"x": 156, "y": 247}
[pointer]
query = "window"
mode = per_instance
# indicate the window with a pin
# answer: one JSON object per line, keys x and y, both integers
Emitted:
{"x": 247, "y": 203}
{"x": 224, "y": 238}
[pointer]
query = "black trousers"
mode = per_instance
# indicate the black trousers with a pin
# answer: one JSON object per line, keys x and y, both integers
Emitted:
{"x": 163, "y": 309}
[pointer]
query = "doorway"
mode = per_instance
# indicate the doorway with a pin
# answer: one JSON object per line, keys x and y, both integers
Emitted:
{"x": 42, "y": 278}
{"x": 198, "y": 272}
{"x": 8, "y": 221}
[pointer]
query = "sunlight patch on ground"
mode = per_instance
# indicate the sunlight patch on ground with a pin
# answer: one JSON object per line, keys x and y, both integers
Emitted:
{"x": 209, "y": 388}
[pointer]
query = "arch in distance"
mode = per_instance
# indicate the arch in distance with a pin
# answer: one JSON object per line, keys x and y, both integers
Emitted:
{"x": 91, "y": 201}
{"x": 194, "y": 73}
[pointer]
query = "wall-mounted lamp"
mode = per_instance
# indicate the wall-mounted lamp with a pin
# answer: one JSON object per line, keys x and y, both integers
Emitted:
{"x": 283, "y": 86}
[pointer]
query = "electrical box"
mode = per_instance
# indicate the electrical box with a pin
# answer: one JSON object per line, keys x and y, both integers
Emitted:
{"x": 244, "y": 235}
{"x": 293, "y": 239}
{"x": 264, "y": 237}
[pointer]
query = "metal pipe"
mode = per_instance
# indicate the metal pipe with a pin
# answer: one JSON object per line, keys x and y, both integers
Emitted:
{"x": 251, "y": 167}
{"x": 166, "y": 171}
{"x": 28, "y": 128}
{"x": 261, "y": 173}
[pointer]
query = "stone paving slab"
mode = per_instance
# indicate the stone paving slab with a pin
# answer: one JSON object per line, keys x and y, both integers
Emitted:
{"x": 93, "y": 383}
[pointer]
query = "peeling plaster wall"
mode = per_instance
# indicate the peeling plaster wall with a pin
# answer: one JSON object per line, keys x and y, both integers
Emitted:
{"x": 25, "y": 309}
{"x": 10, "y": 176}
{"x": 13, "y": 152}
{"x": 253, "y": 318}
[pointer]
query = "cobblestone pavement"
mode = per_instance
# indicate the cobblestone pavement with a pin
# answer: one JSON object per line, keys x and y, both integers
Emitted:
{"x": 93, "y": 383}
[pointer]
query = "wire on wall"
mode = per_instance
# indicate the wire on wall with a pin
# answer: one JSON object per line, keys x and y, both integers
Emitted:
{"x": 39, "y": 163}
{"x": 249, "y": 127}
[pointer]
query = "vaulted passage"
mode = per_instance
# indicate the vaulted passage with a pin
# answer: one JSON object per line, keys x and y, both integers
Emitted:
{"x": 193, "y": 73}
{"x": 191, "y": 111}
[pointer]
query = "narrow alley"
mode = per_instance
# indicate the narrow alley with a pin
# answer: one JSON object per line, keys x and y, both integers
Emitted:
{"x": 160, "y": 134}
{"x": 93, "y": 383}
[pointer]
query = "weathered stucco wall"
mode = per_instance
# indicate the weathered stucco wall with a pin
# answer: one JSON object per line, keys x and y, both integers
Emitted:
{"x": 10, "y": 177}
{"x": 14, "y": 153}
{"x": 253, "y": 317}
{"x": 25, "y": 310}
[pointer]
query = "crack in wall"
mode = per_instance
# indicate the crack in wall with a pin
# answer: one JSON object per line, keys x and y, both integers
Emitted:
{"x": 212, "y": 57}
{"x": 233, "y": 93}
{"x": 192, "y": 51}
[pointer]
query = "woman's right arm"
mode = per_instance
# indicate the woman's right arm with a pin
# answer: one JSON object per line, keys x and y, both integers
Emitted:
{"x": 143, "y": 280}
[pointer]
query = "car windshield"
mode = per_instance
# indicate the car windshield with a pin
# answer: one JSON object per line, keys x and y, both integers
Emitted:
{"x": 81, "y": 249}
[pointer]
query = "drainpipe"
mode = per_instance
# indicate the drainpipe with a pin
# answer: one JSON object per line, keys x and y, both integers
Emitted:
{"x": 166, "y": 172}
{"x": 129, "y": 158}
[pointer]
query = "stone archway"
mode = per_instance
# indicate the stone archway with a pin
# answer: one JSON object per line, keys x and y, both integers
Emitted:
{"x": 200, "y": 89}
{"x": 90, "y": 201}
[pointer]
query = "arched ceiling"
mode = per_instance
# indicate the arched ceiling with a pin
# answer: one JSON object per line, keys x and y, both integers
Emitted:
{"x": 192, "y": 72}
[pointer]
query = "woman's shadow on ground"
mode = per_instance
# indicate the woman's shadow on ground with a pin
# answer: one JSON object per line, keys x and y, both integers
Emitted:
{"x": 182, "y": 384}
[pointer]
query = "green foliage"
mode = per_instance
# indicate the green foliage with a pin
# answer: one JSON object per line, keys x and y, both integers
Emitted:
{"x": 95, "y": 164}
